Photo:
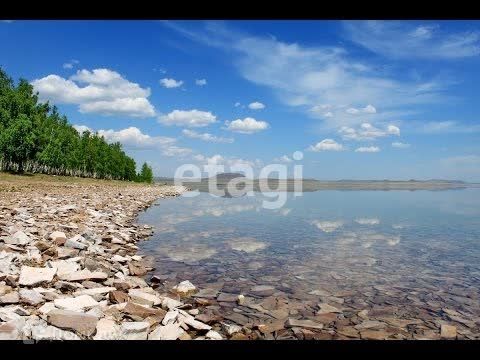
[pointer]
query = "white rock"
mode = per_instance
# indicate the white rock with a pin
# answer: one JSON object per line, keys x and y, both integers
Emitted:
{"x": 141, "y": 297}
{"x": 45, "y": 308}
{"x": 184, "y": 288}
{"x": 169, "y": 304}
{"x": 170, "y": 317}
{"x": 119, "y": 258}
{"x": 95, "y": 291}
{"x": 190, "y": 321}
{"x": 79, "y": 303}
{"x": 30, "y": 276}
{"x": 137, "y": 330}
{"x": 19, "y": 238}
{"x": 31, "y": 297}
{"x": 167, "y": 332}
{"x": 64, "y": 268}
{"x": 9, "y": 331}
{"x": 57, "y": 235}
{"x": 231, "y": 329}
{"x": 213, "y": 335}
{"x": 77, "y": 242}
{"x": 49, "y": 332}
{"x": 86, "y": 274}
{"x": 107, "y": 329}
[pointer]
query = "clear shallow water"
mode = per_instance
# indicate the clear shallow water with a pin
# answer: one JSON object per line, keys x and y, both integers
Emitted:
{"x": 397, "y": 254}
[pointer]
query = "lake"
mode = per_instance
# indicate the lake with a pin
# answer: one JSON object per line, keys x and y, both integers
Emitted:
{"x": 369, "y": 264}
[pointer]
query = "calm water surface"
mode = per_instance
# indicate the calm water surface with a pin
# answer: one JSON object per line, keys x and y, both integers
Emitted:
{"x": 396, "y": 254}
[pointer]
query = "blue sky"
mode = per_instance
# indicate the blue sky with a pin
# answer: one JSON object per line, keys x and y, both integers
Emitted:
{"x": 361, "y": 100}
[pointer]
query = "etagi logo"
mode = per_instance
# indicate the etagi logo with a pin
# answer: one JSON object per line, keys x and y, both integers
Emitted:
{"x": 272, "y": 181}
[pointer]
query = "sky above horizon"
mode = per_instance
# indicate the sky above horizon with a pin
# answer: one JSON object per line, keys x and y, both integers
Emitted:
{"x": 360, "y": 99}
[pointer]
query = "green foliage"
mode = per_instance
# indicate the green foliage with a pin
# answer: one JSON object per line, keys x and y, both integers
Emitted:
{"x": 146, "y": 174}
{"x": 34, "y": 137}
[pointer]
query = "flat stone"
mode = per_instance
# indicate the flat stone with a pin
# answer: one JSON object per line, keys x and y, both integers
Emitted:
{"x": 76, "y": 243}
{"x": 207, "y": 293}
{"x": 64, "y": 253}
{"x": 117, "y": 297}
{"x": 86, "y": 274}
{"x": 262, "y": 290}
{"x": 65, "y": 268}
{"x": 81, "y": 323}
{"x": 303, "y": 324}
{"x": 184, "y": 288}
{"x": 448, "y": 331}
{"x": 231, "y": 329}
{"x": 370, "y": 324}
{"x": 170, "y": 317}
{"x": 79, "y": 303}
{"x": 58, "y": 237}
{"x": 108, "y": 329}
{"x": 47, "y": 332}
{"x": 213, "y": 335}
{"x": 373, "y": 334}
{"x": 103, "y": 290}
{"x": 167, "y": 332}
{"x": 348, "y": 331}
{"x": 137, "y": 330}
{"x": 30, "y": 276}
{"x": 142, "y": 297}
{"x": 46, "y": 308}
{"x": 141, "y": 312}
{"x": 325, "y": 309}
{"x": 9, "y": 331}
{"x": 18, "y": 238}
{"x": 168, "y": 303}
{"x": 136, "y": 269}
{"x": 31, "y": 297}
{"x": 10, "y": 298}
{"x": 195, "y": 324}
{"x": 224, "y": 297}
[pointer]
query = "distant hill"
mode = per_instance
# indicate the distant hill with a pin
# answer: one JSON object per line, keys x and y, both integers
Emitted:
{"x": 227, "y": 176}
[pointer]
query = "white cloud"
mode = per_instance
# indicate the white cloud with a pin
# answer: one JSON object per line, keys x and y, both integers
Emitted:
{"x": 188, "y": 118}
{"x": 303, "y": 76}
{"x": 327, "y": 226}
{"x": 400, "y": 145}
{"x": 368, "y": 149}
{"x": 440, "y": 127}
{"x": 201, "y": 82}
{"x": 326, "y": 145}
{"x": 133, "y": 138}
{"x": 227, "y": 162}
{"x": 106, "y": 92}
{"x": 256, "y": 105}
{"x": 71, "y": 64}
{"x": 368, "y": 221}
{"x": 206, "y": 137}
{"x": 283, "y": 159}
{"x": 246, "y": 126}
{"x": 328, "y": 114}
{"x": 170, "y": 83}
{"x": 367, "y": 132}
{"x": 369, "y": 109}
{"x": 401, "y": 39}
{"x": 237, "y": 104}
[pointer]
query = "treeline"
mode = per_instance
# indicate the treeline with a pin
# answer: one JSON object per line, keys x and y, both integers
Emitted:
{"x": 35, "y": 138}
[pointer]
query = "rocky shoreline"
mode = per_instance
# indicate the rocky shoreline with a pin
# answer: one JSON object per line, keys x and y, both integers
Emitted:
{"x": 69, "y": 268}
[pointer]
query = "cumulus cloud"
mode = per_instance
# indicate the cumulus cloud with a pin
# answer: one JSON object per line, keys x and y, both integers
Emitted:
{"x": 104, "y": 92}
{"x": 228, "y": 162}
{"x": 367, "y": 132}
{"x": 401, "y": 39}
{"x": 206, "y": 137}
{"x": 237, "y": 104}
{"x": 369, "y": 109}
{"x": 70, "y": 64}
{"x": 133, "y": 138}
{"x": 188, "y": 118}
{"x": 256, "y": 105}
{"x": 201, "y": 82}
{"x": 368, "y": 221}
{"x": 326, "y": 145}
{"x": 400, "y": 145}
{"x": 368, "y": 149}
{"x": 246, "y": 126}
{"x": 171, "y": 83}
